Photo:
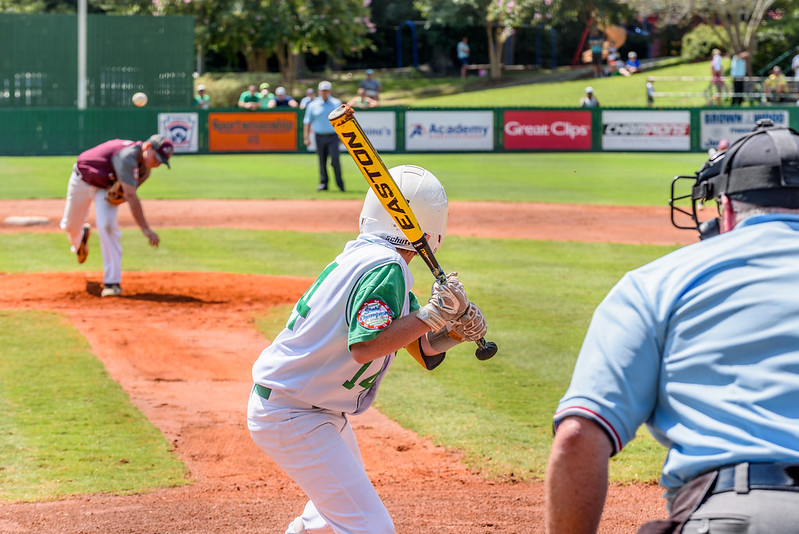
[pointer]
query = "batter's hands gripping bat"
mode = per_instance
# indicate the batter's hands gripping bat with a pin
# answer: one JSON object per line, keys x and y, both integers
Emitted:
{"x": 380, "y": 180}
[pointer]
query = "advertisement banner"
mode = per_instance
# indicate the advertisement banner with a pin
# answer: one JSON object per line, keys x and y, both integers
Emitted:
{"x": 449, "y": 130}
{"x": 716, "y": 125}
{"x": 252, "y": 132}
{"x": 379, "y": 126}
{"x": 646, "y": 130}
{"x": 181, "y": 128}
{"x": 547, "y": 130}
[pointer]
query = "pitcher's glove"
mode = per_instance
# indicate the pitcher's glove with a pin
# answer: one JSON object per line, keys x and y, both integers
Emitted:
{"x": 447, "y": 302}
{"x": 114, "y": 194}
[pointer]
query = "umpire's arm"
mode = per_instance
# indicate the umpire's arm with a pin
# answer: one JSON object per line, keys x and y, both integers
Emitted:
{"x": 577, "y": 476}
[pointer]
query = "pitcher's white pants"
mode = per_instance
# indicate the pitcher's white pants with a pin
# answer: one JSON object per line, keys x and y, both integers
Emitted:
{"x": 76, "y": 211}
{"x": 317, "y": 449}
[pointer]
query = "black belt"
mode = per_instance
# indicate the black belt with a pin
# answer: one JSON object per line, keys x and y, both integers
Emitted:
{"x": 780, "y": 476}
{"x": 325, "y": 134}
{"x": 263, "y": 391}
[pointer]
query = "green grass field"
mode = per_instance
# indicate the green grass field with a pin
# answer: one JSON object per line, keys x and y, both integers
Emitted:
{"x": 601, "y": 178}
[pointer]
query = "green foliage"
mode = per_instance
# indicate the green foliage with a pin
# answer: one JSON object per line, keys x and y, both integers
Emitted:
{"x": 65, "y": 427}
{"x": 700, "y": 42}
{"x": 118, "y": 7}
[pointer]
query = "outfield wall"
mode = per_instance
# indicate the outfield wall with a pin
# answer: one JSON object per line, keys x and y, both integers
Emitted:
{"x": 68, "y": 131}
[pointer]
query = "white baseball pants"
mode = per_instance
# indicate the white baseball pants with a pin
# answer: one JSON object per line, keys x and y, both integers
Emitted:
{"x": 317, "y": 449}
{"x": 76, "y": 211}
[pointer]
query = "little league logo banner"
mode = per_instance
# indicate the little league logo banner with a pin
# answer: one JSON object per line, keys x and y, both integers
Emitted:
{"x": 646, "y": 130}
{"x": 730, "y": 125}
{"x": 449, "y": 130}
{"x": 181, "y": 128}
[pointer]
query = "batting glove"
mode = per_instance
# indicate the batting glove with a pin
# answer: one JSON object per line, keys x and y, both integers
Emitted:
{"x": 447, "y": 302}
{"x": 471, "y": 326}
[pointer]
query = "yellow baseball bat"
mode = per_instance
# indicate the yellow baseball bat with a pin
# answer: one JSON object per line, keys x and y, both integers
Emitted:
{"x": 379, "y": 179}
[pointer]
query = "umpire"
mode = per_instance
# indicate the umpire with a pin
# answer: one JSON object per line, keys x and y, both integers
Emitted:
{"x": 702, "y": 345}
{"x": 326, "y": 138}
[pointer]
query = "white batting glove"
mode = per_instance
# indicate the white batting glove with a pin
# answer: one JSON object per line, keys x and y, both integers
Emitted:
{"x": 470, "y": 326}
{"x": 447, "y": 302}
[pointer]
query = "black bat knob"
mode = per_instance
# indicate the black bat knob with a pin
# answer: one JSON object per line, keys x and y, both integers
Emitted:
{"x": 485, "y": 349}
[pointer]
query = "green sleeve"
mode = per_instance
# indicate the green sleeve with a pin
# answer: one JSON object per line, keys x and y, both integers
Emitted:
{"x": 384, "y": 284}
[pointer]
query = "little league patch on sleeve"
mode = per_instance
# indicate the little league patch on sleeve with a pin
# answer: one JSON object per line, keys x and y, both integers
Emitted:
{"x": 374, "y": 315}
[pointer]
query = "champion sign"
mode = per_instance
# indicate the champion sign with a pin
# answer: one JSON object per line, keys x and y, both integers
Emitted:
{"x": 449, "y": 130}
{"x": 646, "y": 130}
{"x": 547, "y": 130}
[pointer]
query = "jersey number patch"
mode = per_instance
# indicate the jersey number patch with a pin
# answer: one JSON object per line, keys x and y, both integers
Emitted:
{"x": 302, "y": 308}
{"x": 366, "y": 383}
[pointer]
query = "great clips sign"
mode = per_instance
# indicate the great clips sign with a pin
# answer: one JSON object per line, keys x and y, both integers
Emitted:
{"x": 547, "y": 130}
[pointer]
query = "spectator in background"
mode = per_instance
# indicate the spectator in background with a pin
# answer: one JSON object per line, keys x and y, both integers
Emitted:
{"x": 612, "y": 68}
{"x": 595, "y": 44}
{"x": 266, "y": 95}
{"x": 716, "y": 76}
{"x": 724, "y": 144}
{"x": 371, "y": 85}
{"x": 202, "y": 100}
{"x": 463, "y": 56}
{"x": 738, "y": 73}
{"x": 310, "y": 94}
{"x": 589, "y": 100}
{"x": 326, "y": 137}
{"x": 795, "y": 64}
{"x": 633, "y": 65}
{"x": 776, "y": 85}
{"x": 650, "y": 91}
{"x": 282, "y": 100}
{"x": 250, "y": 99}
{"x": 361, "y": 100}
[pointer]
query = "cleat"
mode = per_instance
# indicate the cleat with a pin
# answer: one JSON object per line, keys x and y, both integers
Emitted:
{"x": 83, "y": 249}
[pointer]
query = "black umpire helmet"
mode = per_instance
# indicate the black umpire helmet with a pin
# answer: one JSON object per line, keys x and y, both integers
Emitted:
{"x": 760, "y": 168}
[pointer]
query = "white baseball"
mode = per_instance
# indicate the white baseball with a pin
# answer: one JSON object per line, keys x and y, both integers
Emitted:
{"x": 139, "y": 99}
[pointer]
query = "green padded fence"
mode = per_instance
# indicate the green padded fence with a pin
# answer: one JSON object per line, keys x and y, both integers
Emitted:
{"x": 125, "y": 54}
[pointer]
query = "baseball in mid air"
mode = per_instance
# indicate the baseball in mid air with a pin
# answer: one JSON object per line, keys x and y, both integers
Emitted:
{"x": 139, "y": 99}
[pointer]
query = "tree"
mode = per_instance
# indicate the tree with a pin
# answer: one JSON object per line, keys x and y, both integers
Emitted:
{"x": 498, "y": 16}
{"x": 259, "y": 29}
{"x": 740, "y": 19}
{"x": 122, "y": 7}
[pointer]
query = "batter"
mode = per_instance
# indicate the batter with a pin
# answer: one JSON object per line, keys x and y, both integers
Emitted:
{"x": 338, "y": 343}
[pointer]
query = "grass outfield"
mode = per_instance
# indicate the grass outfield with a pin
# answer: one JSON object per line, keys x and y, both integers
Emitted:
{"x": 497, "y": 412}
{"x": 65, "y": 426}
{"x": 585, "y": 178}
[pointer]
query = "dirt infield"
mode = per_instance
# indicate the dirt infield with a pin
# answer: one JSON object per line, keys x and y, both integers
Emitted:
{"x": 182, "y": 348}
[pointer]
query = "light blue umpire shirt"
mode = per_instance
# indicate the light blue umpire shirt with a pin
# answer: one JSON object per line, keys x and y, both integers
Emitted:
{"x": 316, "y": 114}
{"x": 702, "y": 345}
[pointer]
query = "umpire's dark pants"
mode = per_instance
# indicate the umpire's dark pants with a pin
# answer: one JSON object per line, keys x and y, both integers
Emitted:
{"x": 327, "y": 145}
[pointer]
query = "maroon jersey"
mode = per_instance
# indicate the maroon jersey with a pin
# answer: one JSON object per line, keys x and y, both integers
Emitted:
{"x": 117, "y": 158}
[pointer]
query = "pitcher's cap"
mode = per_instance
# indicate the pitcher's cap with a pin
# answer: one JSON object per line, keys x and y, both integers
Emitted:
{"x": 589, "y": 89}
{"x": 163, "y": 148}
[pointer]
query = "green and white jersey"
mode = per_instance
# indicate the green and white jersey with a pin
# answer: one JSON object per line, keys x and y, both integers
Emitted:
{"x": 358, "y": 295}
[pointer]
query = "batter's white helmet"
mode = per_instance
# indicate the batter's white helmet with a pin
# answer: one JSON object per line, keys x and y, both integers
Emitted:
{"x": 425, "y": 196}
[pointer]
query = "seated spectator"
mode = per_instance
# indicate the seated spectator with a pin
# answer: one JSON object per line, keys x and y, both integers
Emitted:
{"x": 250, "y": 99}
{"x": 776, "y": 86}
{"x": 724, "y": 144}
{"x": 282, "y": 100}
{"x": 202, "y": 100}
{"x": 589, "y": 100}
{"x": 310, "y": 94}
{"x": 612, "y": 68}
{"x": 633, "y": 65}
{"x": 361, "y": 100}
{"x": 266, "y": 95}
{"x": 371, "y": 85}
